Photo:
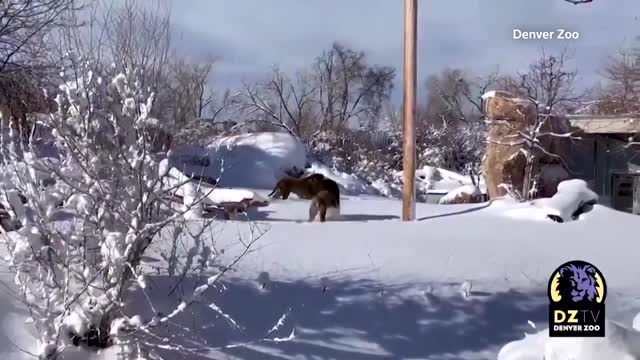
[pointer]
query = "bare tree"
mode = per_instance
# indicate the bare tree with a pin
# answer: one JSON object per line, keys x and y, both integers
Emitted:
{"x": 139, "y": 37}
{"x": 475, "y": 89}
{"x": 190, "y": 95}
{"x": 445, "y": 97}
{"x": 349, "y": 88}
{"x": 75, "y": 282}
{"x": 622, "y": 92}
{"x": 450, "y": 127}
{"x": 455, "y": 97}
{"x": 282, "y": 102}
{"x": 548, "y": 81}
{"x": 134, "y": 36}
{"x": 24, "y": 28}
{"x": 340, "y": 90}
{"x": 548, "y": 90}
{"x": 221, "y": 107}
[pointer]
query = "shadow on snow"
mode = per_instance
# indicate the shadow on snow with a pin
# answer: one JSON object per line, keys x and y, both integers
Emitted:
{"x": 354, "y": 320}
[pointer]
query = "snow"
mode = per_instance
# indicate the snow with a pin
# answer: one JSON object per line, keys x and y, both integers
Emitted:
{"x": 571, "y": 195}
{"x": 429, "y": 180}
{"x": 264, "y": 156}
{"x": 178, "y": 183}
{"x": 433, "y": 180}
{"x": 221, "y": 195}
{"x": 246, "y": 161}
{"x": 450, "y": 197}
{"x": 349, "y": 184}
{"x": 488, "y": 95}
{"x": 620, "y": 343}
{"x": 370, "y": 286}
{"x": 460, "y": 282}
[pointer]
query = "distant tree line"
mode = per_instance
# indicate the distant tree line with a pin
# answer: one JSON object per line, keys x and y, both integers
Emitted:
{"x": 340, "y": 91}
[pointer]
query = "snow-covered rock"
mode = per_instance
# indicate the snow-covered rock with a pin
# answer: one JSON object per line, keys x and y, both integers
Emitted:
{"x": 256, "y": 160}
{"x": 462, "y": 194}
{"x": 223, "y": 196}
{"x": 433, "y": 180}
{"x": 572, "y": 199}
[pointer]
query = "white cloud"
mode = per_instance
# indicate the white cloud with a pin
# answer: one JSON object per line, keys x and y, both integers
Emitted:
{"x": 248, "y": 36}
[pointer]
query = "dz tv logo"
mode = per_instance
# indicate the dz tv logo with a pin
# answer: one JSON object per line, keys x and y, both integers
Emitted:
{"x": 577, "y": 291}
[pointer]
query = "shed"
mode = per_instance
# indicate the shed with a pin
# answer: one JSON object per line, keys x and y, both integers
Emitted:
{"x": 606, "y": 158}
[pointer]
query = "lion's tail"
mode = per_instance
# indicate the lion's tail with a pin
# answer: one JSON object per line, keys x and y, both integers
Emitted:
{"x": 274, "y": 190}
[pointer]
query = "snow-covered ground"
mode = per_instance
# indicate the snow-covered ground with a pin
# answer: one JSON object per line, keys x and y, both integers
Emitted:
{"x": 460, "y": 282}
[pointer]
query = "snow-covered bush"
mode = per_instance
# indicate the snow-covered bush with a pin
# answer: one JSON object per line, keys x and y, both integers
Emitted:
{"x": 376, "y": 157}
{"x": 456, "y": 148}
{"x": 88, "y": 216}
{"x": 197, "y": 131}
{"x": 347, "y": 152}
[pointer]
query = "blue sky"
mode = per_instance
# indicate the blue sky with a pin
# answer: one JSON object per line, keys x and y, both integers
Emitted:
{"x": 249, "y": 36}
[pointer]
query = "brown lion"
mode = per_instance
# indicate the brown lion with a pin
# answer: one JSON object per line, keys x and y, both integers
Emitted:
{"x": 323, "y": 201}
{"x": 306, "y": 187}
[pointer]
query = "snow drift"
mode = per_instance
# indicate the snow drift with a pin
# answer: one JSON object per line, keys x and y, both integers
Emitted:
{"x": 620, "y": 343}
{"x": 572, "y": 199}
{"x": 255, "y": 160}
{"x": 349, "y": 184}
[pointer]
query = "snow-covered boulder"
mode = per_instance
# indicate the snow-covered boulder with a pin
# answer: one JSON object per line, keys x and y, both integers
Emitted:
{"x": 234, "y": 200}
{"x": 572, "y": 199}
{"x": 255, "y": 160}
{"x": 465, "y": 194}
{"x": 433, "y": 180}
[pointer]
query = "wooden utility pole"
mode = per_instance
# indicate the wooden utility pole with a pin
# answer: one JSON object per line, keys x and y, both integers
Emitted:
{"x": 409, "y": 110}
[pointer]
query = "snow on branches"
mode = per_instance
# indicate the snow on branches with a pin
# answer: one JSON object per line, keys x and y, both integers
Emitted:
{"x": 88, "y": 213}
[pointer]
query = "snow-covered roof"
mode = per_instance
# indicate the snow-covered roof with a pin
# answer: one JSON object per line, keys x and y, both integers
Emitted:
{"x": 606, "y": 124}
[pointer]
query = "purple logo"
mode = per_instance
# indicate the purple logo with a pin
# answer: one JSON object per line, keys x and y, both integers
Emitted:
{"x": 577, "y": 291}
{"x": 577, "y": 281}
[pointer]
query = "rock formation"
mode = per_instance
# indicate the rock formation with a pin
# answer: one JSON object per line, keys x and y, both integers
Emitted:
{"x": 509, "y": 120}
